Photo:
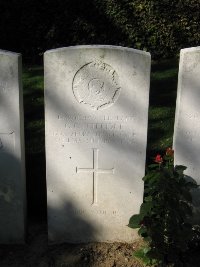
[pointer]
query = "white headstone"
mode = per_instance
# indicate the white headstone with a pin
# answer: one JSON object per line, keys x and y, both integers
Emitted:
{"x": 96, "y": 101}
{"x": 12, "y": 168}
{"x": 187, "y": 121}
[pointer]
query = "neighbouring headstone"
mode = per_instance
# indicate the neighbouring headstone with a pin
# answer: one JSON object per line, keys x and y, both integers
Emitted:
{"x": 96, "y": 109}
{"x": 187, "y": 122}
{"x": 12, "y": 167}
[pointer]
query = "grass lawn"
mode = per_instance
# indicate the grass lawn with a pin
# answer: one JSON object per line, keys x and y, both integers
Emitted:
{"x": 162, "y": 102}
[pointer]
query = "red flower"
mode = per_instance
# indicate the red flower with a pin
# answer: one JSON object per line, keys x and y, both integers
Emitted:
{"x": 169, "y": 152}
{"x": 158, "y": 159}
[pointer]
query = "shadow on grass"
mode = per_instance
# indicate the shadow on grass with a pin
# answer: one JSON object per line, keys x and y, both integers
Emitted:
{"x": 164, "y": 65}
{"x": 35, "y": 141}
{"x": 164, "y": 77}
{"x": 162, "y": 102}
{"x": 36, "y": 185}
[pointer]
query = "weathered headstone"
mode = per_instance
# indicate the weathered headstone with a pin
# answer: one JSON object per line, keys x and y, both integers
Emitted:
{"x": 96, "y": 100}
{"x": 12, "y": 169}
{"x": 187, "y": 121}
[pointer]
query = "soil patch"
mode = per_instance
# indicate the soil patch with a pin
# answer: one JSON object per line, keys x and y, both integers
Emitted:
{"x": 37, "y": 253}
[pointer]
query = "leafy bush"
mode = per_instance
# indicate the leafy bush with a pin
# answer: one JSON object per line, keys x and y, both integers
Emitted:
{"x": 164, "y": 218}
{"x": 161, "y": 27}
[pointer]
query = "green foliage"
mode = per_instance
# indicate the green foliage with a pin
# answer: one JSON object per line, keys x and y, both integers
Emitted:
{"x": 34, "y": 109}
{"x": 141, "y": 255}
{"x": 161, "y": 27}
{"x": 164, "y": 218}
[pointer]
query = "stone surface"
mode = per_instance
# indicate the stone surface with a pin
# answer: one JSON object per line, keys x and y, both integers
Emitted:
{"x": 96, "y": 110}
{"x": 12, "y": 168}
{"x": 187, "y": 121}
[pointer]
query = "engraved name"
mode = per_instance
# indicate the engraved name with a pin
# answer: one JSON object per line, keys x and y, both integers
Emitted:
{"x": 94, "y": 133}
{"x": 86, "y": 129}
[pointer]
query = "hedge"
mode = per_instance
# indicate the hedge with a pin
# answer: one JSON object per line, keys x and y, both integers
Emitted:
{"x": 160, "y": 27}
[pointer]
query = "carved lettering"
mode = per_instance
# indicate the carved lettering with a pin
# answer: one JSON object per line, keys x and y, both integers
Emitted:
{"x": 94, "y": 211}
{"x": 72, "y": 118}
{"x": 86, "y": 129}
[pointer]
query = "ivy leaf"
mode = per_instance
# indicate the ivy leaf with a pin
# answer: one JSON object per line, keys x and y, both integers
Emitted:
{"x": 152, "y": 177}
{"x": 192, "y": 185}
{"x": 148, "y": 198}
{"x": 152, "y": 166}
{"x": 135, "y": 220}
{"x": 142, "y": 232}
{"x": 146, "y": 208}
{"x": 146, "y": 250}
{"x": 148, "y": 239}
{"x": 180, "y": 168}
{"x": 148, "y": 176}
{"x": 141, "y": 255}
{"x": 187, "y": 195}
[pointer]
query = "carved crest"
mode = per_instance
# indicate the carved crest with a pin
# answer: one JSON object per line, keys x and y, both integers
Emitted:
{"x": 96, "y": 84}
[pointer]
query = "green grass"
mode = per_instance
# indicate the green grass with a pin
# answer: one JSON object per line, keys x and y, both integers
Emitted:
{"x": 34, "y": 140}
{"x": 34, "y": 109}
{"x": 162, "y": 102}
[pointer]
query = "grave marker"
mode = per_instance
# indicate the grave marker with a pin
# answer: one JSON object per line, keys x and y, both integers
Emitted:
{"x": 12, "y": 167}
{"x": 96, "y": 112}
{"x": 187, "y": 121}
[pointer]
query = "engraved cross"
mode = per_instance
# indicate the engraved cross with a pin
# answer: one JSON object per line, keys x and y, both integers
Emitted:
{"x": 95, "y": 171}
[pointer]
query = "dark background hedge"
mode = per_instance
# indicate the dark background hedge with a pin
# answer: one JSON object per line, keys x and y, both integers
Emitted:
{"x": 161, "y": 27}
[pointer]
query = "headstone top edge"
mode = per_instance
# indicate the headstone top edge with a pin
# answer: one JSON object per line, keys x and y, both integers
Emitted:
{"x": 9, "y": 53}
{"x": 190, "y": 49}
{"x": 113, "y": 47}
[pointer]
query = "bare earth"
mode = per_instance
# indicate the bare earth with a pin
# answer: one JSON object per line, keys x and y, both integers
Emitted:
{"x": 37, "y": 253}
